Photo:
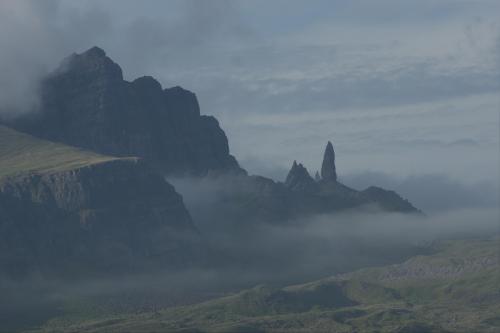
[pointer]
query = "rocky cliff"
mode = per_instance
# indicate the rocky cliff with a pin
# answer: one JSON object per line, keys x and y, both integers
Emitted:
{"x": 240, "y": 201}
{"x": 299, "y": 179}
{"x": 87, "y": 103}
{"x": 104, "y": 214}
{"x": 100, "y": 206}
{"x": 328, "y": 169}
{"x": 327, "y": 194}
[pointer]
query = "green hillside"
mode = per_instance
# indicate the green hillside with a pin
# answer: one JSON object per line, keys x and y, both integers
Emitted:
{"x": 457, "y": 289}
{"x": 20, "y": 153}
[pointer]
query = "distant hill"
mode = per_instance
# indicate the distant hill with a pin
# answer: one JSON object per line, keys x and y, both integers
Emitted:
{"x": 453, "y": 290}
{"x": 70, "y": 210}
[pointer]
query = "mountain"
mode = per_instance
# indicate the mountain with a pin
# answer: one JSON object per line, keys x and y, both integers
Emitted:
{"x": 70, "y": 210}
{"x": 454, "y": 289}
{"x": 298, "y": 179}
{"x": 73, "y": 174}
{"x": 241, "y": 200}
{"x": 326, "y": 194}
{"x": 86, "y": 103}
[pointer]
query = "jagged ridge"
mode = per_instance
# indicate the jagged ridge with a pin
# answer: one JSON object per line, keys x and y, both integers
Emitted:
{"x": 336, "y": 195}
{"x": 86, "y": 103}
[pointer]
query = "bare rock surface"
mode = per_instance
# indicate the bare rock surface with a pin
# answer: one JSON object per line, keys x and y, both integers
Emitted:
{"x": 87, "y": 103}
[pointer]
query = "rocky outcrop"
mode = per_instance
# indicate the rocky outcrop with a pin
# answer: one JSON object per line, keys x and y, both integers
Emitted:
{"x": 388, "y": 200}
{"x": 258, "y": 199}
{"x": 328, "y": 170}
{"x": 86, "y": 103}
{"x": 326, "y": 194}
{"x": 298, "y": 178}
{"x": 115, "y": 215}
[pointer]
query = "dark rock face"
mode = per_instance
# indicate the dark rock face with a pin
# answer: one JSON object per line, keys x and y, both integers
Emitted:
{"x": 245, "y": 201}
{"x": 86, "y": 103}
{"x": 328, "y": 171}
{"x": 114, "y": 215}
{"x": 258, "y": 199}
{"x": 388, "y": 200}
{"x": 298, "y": 178}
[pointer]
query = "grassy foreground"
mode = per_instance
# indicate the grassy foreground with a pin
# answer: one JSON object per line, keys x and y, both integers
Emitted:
{"x": 456, "y": 289}
{"x": 21, "y": 153}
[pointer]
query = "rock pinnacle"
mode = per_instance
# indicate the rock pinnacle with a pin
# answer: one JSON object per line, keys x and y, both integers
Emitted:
{"x": 328, "y": 171}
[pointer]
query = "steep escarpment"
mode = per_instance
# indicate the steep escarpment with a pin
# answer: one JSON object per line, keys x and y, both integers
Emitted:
{"x": 102, "y": 213}
{"x": 87, "y": 103}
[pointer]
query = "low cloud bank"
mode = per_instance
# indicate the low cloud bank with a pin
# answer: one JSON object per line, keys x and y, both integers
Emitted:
{"x": 433, "y": 193}
{"x": 326, "y": 244}
{"x": 246, "y": 255}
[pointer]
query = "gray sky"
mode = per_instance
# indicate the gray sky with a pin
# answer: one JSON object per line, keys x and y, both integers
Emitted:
{"x": 403, "y": 88}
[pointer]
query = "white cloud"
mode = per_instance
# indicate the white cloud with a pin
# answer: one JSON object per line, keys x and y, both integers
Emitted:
{"x": 34, "y": 37}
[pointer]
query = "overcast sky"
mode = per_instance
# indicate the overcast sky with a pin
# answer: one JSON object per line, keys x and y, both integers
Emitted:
{"x": 402, "y": 88}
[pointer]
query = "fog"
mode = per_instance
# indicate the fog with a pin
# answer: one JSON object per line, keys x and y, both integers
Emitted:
{"x": 244, "y": 253}
{"x": 297, "y": 251}
{"x": 34, "y": 37}
{"x": 409, "y": 95}
{"x": 320, "y": 245}
{"x": 433, "y": 193}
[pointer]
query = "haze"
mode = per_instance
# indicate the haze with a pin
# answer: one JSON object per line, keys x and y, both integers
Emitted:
{"x": 403, "y": 89}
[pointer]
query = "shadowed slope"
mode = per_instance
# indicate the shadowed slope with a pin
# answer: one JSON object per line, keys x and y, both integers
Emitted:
{"x": 454, "y": 290}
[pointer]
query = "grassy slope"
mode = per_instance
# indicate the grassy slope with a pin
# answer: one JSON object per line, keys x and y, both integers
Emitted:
{"x": 21, "y": 153}
{"x": 457, "y": 289}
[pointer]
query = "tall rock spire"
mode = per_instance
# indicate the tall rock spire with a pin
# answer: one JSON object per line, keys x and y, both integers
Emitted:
{"x": 328, "y": 171}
